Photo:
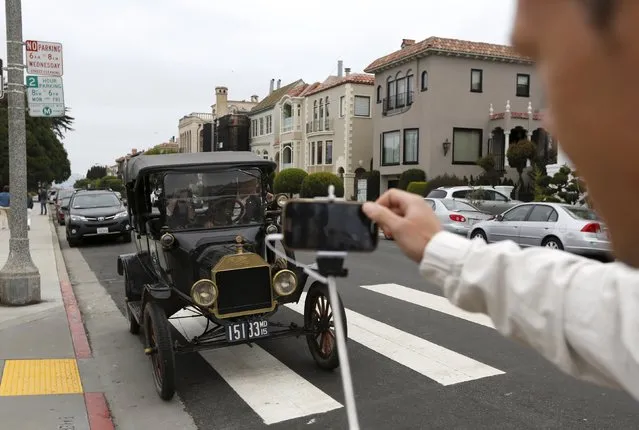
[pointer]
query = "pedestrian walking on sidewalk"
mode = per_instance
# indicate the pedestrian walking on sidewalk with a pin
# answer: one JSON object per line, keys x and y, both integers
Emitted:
{"x": 580, "y": 314}
{"x": 5, "y": 200}
{"x": 29, "y": 210}
{"x": 42, "y": 198}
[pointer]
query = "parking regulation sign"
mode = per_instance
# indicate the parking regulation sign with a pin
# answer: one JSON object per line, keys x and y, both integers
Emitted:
{"x": 45, "y": 96}
{"x": 44, "y": 58}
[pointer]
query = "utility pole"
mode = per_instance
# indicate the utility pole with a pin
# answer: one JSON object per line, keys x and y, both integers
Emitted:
{"x": 19, "y": 278}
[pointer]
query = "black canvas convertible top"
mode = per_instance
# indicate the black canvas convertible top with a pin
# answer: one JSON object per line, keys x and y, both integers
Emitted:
{"x": 145, "y": 163}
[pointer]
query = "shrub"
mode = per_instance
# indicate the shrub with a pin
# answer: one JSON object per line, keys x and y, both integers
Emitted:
{"x": 372, "y": 185}
{"x": 316, "y": 185}
{"x": 445, "y": 180}
{"x": 289, "y": 181}
{"x": 411, "y": 175}
{"x": 418, "y": 188}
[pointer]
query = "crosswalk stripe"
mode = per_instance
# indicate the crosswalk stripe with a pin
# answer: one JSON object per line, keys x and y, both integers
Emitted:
{"x": 429, "y": 359}
{"x": 430, "y": 301}
{"x": 274, "y": 391}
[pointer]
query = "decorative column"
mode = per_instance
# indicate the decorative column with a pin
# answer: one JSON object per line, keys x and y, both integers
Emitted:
{"x": 530, "y": 118}
{"x": 507, "y": 129}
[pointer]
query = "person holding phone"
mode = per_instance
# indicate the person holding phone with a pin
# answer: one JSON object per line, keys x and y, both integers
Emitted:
{"x": 580, "y": 314}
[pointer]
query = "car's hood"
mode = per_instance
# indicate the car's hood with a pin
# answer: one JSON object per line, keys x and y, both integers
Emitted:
{"x": 97, "y": 212}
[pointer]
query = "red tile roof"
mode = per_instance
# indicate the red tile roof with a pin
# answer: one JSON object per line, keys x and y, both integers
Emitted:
{"x": 453, "y": 46}
{"x": 334, "y": 81}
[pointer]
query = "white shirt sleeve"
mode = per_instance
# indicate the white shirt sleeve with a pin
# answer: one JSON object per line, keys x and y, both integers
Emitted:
{"x": 580, "y": 314}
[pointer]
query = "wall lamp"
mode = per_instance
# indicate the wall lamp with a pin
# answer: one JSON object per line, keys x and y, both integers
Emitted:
{"x": 446, "y": 146}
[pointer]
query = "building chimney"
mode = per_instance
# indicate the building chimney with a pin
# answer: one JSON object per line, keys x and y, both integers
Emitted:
{"x": 347, "y": 71}
{"x": 255, "y": 99}
{"x": 340, "y": 65}
{"x": 279, "y": 83}
{"x": 271, "y": 87}
{"x": 407, "y": 42}
{"x": 221, "y": 101}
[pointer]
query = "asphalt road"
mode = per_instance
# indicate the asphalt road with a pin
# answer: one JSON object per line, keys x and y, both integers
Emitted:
{"x": 416, "y": 364}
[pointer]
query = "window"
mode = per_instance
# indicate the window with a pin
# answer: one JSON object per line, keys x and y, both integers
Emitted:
{"x": 411, "y": 146}
{"x": 311, "y": 149}
{"x": 390, "y": 93}
{"x": 494, "y": 195}
{"x": 329, "y": 152}
{"x": 401, "y": 92}
{"x": 456, "y": 205}
{"x": 409, "y": 87}
{"x": 379, "y": 94}
{"x": 517, "y": 214}
{"x": 437, "y": 194}
{"x": 269, "y": 124}
{"x": 541, "y": 213}
{"x": 476, "y": 80}
{"x": 254, "y": 128}
{"x": 466, "y": 145}
{"x": 315, "y": 110}
{"x": 424, "y": 80}
{"x": 321, "y": 108}
{"x": 319, "y": 153}
{"x": 341, "y": 106}
{"x": 287, "y": 155}
{"x": 523, "y": 85}
{"x": 390, "y": 148}
{"x": 362, "y": 106}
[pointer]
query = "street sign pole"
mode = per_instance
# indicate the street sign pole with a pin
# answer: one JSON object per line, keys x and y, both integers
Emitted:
{"x": 19, "y": 278}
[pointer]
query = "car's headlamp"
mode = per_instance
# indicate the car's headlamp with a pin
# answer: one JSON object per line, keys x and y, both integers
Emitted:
{"x": 281, "y": 200}
{"x": 121, "y": 214}
{"x": 284, "y": 282}
{"x": 77, "y": 218}
{"x": 204, "y": 293}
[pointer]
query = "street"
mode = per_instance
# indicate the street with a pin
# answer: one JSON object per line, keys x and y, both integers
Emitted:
{"x": 416, "y": 362}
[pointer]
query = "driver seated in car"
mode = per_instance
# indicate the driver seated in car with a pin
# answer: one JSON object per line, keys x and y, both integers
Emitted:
{"x": 179, "y": 209}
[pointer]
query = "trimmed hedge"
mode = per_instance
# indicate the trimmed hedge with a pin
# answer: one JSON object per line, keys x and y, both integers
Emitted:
{"x": 289, "y": 181}
{"x": 411, "y": 175}
{"x": 316, "y": 185}
{"x": 418, "y": 188}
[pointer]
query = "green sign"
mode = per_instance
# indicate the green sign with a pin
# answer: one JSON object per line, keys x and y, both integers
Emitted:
{"x": 32, "y": 81}
{"x": 46, "y": 111}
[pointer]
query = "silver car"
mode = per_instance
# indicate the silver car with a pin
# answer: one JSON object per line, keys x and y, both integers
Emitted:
{"x": 456, "y": 216}
{"x": 560, "y": 226}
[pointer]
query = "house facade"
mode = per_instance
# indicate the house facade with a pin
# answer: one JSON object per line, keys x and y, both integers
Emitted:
{"x": 338, "y": 127}
{"x": 441, "y": 104}
{"x": 277, "y": 119}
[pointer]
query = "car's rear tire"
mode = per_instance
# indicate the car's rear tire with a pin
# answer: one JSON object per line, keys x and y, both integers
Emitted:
{"x": 126, "y": 237}
{"x": 318, "y": 310}
{"x": 479, "y": 234}
{"x": 552, "y": 243}
{"x": 159, "y": 348}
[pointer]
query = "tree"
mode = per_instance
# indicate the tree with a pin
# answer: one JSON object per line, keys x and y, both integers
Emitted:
{"x": 47, "y": 159}
{"x": 411, "y": 175}
{"x": 563, "y": 187}
{"x": 316, "y": 185}
{"x": 289, "y": 181}
{"x": 158, "y": 150}
{"x": 96, "y": 172}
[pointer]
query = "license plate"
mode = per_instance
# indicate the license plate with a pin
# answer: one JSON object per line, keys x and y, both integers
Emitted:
{"x": 246, "y": 330}
{"x": 103, "y": 230}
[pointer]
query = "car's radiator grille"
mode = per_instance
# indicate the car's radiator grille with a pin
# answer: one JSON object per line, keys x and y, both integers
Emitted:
{"x": 243, "y": 290}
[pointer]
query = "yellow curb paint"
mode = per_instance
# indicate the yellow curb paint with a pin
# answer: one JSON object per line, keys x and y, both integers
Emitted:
{"x": 38, "y": 377}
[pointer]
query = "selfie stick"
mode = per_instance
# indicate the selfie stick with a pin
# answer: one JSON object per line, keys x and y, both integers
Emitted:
{"x": 330, "y": 265}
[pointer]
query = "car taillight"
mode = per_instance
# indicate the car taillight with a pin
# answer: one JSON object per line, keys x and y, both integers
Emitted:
{"x": 592, "y": 227}
{"x": 457, "y": 218}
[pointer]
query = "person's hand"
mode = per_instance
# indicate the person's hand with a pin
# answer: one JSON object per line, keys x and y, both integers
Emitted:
{"x": 407, "y": 217}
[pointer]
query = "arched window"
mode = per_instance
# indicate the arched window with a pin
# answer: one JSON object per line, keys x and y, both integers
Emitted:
{"x": 390, "y": 93}
{"x": 410, "y": 87}
{"x": 287, "y": 155}
{"x": 379, "y": 94}
{"x": 424, "y": 80}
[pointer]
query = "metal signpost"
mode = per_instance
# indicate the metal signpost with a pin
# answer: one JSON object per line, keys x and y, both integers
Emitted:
{"x": 20, "y": 278}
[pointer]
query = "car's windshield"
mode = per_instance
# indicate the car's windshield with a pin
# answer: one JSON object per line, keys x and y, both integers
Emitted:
{"x": 581, "y": 213}
{"x": 65, "y": 193}
{"x": 213, "y": 199}
{"x": 65, "y": 201}
{"x": 456, "y": 205}
{"x": 437, "y": 194}
{"x": 102, "y": 200}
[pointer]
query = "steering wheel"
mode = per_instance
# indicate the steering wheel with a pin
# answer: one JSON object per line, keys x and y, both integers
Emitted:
{"x": 233, "y": 210}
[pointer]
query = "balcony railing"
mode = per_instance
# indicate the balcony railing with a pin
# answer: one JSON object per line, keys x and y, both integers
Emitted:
{"x": 319, "y": 125}
{"x": 397, "y": 103}
{"x": 287, "y": 124}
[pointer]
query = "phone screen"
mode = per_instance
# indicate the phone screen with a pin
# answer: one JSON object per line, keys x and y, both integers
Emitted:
{"x": 328, "y": 226}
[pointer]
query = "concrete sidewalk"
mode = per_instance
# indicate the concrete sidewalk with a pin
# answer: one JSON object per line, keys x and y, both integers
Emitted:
{"x": 46, "y": 374}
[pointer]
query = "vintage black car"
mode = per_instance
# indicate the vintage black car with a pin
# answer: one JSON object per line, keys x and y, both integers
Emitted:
{"x": 212, "y": 259}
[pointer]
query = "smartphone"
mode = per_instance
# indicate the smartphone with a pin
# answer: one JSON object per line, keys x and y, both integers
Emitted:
{"x": 317, "y": 225}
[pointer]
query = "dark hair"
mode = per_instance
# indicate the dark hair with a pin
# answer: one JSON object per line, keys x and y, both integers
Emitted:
{"x": 601, "y": 12}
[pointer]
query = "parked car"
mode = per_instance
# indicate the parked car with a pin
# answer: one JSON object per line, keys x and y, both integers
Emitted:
{"x": 94, "y": 213}
{"x": 484, "y": 198}
{"x": 457, "y": 216}
{"x": 62, "y": 200}
{"x": 571, "y": 228}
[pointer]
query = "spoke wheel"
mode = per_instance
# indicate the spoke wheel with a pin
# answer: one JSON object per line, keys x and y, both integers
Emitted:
{"x": 319, "y": 318}
{"x": 159, "y": 348}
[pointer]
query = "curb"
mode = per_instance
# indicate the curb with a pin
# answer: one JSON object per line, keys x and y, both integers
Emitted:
{"x": 96, "y": 404}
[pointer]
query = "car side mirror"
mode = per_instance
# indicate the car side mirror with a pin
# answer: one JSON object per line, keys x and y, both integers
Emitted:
{"x": 499, "y": 217}
{"x": 65, "y": 208}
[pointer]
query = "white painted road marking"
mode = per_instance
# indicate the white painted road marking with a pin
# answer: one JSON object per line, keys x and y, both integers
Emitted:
{"x": 430, "y": 301}
{"x": 274, "y": 391}
{"x": 431, "y": 360}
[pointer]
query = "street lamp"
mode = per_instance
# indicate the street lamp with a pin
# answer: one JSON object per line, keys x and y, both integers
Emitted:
{"x": 446, "y": 146}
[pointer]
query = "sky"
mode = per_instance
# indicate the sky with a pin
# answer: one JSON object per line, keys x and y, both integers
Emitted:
{"x": 133, "y": 68}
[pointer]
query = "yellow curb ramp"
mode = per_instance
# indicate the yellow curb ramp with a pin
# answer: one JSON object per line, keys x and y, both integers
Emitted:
{"x": 40, "y": 377}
